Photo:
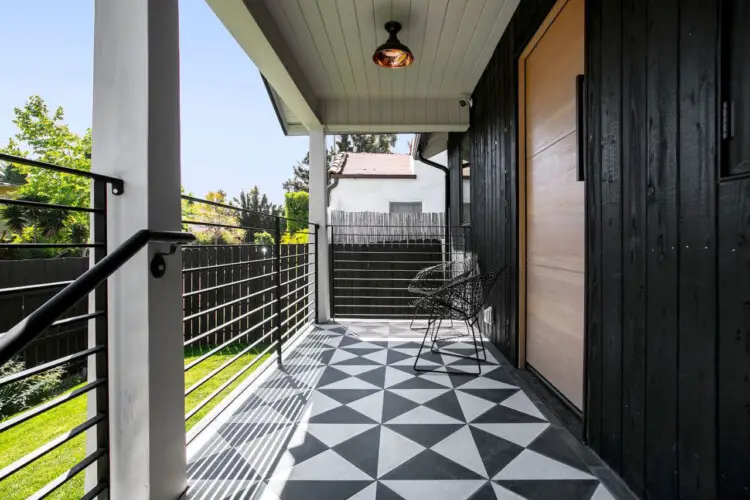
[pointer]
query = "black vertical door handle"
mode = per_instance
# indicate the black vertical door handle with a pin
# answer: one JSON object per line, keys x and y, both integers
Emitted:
{"x": 580, "y": 128}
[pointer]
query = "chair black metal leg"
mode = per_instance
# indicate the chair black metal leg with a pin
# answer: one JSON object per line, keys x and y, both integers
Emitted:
{"x": 434, "y": 336}
{"x": 430, "y": 321}
{"x": 484, "y": 349}
{"x": 476, "y": 349}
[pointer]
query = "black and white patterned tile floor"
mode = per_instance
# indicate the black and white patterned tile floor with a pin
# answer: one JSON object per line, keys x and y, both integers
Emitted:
{"x": 347, "y": 417}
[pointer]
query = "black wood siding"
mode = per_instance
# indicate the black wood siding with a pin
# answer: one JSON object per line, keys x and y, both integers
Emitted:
{"x": 652, "y": 247}
{"x": 668, "y": 243}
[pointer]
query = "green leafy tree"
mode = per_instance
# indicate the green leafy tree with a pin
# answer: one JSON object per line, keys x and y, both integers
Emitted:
{"x": 43, "y": 135}
{"x": 220, "y": 216}
{"x": 10, "y": 174}
{"x": 300, "y": 180}
{"x": 263, "y": 238}
{"x": 365, "y": 143}
{"x": 297, "y": 212}
{"x": 257, "y": 205}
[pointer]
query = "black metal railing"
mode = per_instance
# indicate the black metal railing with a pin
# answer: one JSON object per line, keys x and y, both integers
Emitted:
{"x": 373, "y": 266}
{"x": 249, "y": 285}
{"x": 78, "y": 304}
{"x": 49, "y": 317}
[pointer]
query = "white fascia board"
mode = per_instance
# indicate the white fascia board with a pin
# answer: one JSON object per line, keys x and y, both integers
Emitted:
{"x": 255, "y": 31}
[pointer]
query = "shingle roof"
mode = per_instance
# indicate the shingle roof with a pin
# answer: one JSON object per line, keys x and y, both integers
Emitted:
{"x": 371, "y": 165}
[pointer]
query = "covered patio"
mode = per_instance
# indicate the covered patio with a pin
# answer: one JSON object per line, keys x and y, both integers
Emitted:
{"x": 348, "y": 417}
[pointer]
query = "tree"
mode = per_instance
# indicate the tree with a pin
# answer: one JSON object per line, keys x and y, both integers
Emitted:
{"x": 365, "y": 143}
{"x": 216, "y": 234}
{"x": 258, "y": 204}
{"x": 300, "y": 180}
{"x": 43, "y": 135}
{"x": 297, "y": 212}
{"x": 354, "y": 143}
{"x": 264, "y": 238}
{"x": 10, "y": 174}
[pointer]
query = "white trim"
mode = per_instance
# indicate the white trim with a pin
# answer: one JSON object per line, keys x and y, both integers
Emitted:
{"x": 267, "y": 50}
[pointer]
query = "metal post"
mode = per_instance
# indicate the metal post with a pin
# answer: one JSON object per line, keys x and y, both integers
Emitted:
{"x": 277, "y": 244}
{"x": 331, "y": 269}
{"x": 317, "y": 228}
{"x": 98, "y": 437}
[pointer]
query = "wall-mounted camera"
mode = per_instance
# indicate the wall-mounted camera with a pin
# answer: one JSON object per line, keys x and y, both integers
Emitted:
{"x": 466, "y": 101}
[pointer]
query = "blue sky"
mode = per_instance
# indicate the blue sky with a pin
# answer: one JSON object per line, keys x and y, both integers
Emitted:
{"x": 231, "y": 138}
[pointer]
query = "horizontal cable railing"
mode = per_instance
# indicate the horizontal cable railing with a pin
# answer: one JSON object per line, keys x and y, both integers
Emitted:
{"x": 53, "y": 333}
{"x": 374, "y": 264}
{"x": 246, "y": 289}
{"x": 49, "y": 366}
{"x": 249, "y": 285}
{"x": 12, "y": 380}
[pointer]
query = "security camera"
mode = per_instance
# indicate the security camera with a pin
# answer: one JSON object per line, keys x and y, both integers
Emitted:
{"x": 466, "y": 101}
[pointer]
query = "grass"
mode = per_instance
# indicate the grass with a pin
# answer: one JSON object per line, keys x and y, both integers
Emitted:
{"x": 25, "y": 438}
{"x": 216, "y": 360}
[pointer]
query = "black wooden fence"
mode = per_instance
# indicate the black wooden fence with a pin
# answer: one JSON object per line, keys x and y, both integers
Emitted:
{"x": 55, "y": 342}
{"x": 374, "y": 264}
{"x": 231, "y": 284}
{"x": 217, "y": 281}
{"x": 372, "y": 280}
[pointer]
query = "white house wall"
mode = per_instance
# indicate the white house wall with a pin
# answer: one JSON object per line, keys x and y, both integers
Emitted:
{"x": 375, "y": 195}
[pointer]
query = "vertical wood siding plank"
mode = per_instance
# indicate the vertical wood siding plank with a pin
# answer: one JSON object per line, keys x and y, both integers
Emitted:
{"x": 611, "y": 221}
{"x": 634, "y": 170}
{"x": 734, "y": 339}
{"x": 662, "y": 251}
{"x": 697, "y": 295}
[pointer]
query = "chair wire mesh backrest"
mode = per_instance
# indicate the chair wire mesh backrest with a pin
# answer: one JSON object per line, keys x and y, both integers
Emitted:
{"x": 464, "y": 299}
{"x": 433, "y": 278}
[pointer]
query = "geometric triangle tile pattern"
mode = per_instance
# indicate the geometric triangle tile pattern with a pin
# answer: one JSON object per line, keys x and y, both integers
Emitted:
{"x": 347, "y": 417}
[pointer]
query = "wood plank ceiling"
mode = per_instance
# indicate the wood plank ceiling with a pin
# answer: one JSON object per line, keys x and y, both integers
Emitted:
{"x": 332, "y": 42}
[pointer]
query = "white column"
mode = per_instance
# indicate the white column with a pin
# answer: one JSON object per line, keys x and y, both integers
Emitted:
{"x": 136, "y": 136}
{"x": 318, "y": 215}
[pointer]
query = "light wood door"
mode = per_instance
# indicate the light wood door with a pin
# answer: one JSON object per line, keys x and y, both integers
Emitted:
{"x": 555, "y": 215}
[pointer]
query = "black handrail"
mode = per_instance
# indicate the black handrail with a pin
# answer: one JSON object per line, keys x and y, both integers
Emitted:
{"x": 18, "y": 337}
{"x": 117, "y": 184}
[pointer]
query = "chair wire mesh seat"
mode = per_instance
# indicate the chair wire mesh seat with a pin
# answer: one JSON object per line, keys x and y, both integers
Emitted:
{"x": 461, "y": 300}
{"x": 433, "y": 278}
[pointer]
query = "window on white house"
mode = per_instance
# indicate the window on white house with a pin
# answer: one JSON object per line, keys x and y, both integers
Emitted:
{"x": 398, "y": 207}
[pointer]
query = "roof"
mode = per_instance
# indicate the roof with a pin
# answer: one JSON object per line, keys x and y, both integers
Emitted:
{"x": 316, "y": 56}
{"x": 372, "y": 166}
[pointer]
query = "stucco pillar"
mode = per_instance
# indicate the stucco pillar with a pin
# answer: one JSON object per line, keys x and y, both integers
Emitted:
{"x": 319, "y": 215}
{"x": 136, "y": 136}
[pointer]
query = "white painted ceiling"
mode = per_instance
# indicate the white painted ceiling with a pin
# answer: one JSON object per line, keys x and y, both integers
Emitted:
{"x": 327, "y": 46}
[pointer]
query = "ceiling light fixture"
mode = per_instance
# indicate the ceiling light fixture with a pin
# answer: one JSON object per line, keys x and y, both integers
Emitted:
{"x": 393, "y": 53}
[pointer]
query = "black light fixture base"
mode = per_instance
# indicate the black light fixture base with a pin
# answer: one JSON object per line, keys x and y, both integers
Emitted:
{"x": 393, "y": 27}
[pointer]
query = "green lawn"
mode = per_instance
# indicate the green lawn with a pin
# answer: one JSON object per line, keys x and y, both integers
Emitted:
{"x": 24, "y": 438}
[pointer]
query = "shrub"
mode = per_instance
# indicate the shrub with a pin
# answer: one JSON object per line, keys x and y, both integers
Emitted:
{"x": 25, "y": 393}
{"x": 263, "y": 238}
{"x": 294, "y": 238}
{"x": 296, "y": 209}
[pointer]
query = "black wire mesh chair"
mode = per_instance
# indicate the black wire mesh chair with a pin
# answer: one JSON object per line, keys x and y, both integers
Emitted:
{"x": 432, "y": 279}
{"x": 461, "y": 300}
